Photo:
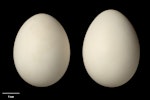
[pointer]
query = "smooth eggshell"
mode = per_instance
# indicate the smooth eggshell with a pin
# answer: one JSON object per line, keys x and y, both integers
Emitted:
{"x": 41, "y": 50}
{"x": 111, "y": 49}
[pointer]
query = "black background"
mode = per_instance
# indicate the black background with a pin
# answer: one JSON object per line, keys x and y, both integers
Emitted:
{"x": 75, "y": 17}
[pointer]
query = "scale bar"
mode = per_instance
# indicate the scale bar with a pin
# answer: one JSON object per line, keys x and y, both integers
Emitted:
{"x": 10, "y": 92}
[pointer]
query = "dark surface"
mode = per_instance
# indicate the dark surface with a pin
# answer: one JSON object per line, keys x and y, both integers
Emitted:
{"x": 75, "y": 17}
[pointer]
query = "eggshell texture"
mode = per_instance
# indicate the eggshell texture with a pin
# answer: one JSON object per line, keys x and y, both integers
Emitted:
{"x": 41, "y": 50}
{"x": 111, "y": 49}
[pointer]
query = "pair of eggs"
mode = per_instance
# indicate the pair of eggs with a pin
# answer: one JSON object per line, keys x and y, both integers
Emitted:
{"x": 111, "y": 50}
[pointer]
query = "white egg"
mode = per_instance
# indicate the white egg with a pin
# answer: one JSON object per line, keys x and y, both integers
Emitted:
{"x": 41, "y": 51}
{"x": 111, "y": 49}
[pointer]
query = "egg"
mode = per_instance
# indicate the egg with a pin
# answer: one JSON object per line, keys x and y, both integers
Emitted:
{"x": 41, "y": 51}
{"x": 111, "y": 49}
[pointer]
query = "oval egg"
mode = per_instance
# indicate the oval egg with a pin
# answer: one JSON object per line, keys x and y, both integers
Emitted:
{"x": 41, "y": 51}
{"x": 111, "y": 50}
